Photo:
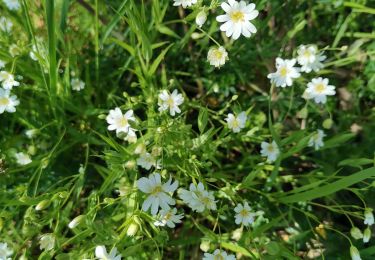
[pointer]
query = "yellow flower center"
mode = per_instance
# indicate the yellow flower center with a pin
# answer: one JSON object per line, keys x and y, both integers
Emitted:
{"x": 283, "y": 71}
{"x": 270, "y": 148}
{"x": 168, "y": 216}
{"x": 122, "y": 122}
{"x": 235, "y": 123}
{"x": 218, "y": 54}
{"x": 320, "y": 88}
{"x": 4, "y": 101}
{"x": 307, "y": 54}
{"x": 244, "y": 213}
{"x": 237, "y": 16}
{"x": 156, "y": 190}
{"x": 170, "y": 102}
{"x": 206, "y": 201}
{"x": 218, "y": 257}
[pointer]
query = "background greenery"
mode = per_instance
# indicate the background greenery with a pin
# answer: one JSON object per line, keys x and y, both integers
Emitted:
{"x": 126, "y": 52}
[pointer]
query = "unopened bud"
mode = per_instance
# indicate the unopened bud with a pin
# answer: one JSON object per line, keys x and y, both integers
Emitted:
{"x": 76, "y": 221}
{"x": 42, "y": 205}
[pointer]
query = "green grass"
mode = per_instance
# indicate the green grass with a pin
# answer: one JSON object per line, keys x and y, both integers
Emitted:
{"x": 127, "y": 52}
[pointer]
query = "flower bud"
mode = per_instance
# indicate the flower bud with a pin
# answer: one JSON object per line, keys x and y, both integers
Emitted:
{"x": 132, "y": 229}
{"x": 356, "y": 233}
{"x": 42, "y": 205}
{"x": 354, "y": 253}
{"x": 366, "y": 235}
{"x": 75, "y": 222}
{"x": 369, "y": 217}
{"x": 327, "y": 124}
{"x": 201, "y": 18}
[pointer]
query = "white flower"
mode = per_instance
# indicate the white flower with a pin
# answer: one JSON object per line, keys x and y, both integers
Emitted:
{"x": 237, "y": 19}
{"x": 356, "y": 233}
{"x": 317, "y": 139}
{"x": 318, "y": 89}
{"x": 354, "y": 253}
{"x": 14, "y": 50}
{"x": 8, "y": 102}
{"x": 22, "y": 158}
{"x": 12, "y": 4}
{"x": 169, "y": 218}
{"x": 369, "y": 217}
{"x": 184, "y": 3}
{"x": 236, "y": 123}
{"x": 310, "y": 59}
{"x": 316, "y": 65}
{"x": 120, "y": 122}
{"x": 170, "y": 101}
{"x": 77, "y": 84}
{"x": 147, "y": 160}
{"x": 197, "y": 198}
{"x": 47, "y": 242}
{"x": 101, "y": 253}
{"x": 208, "y": 200}
{"x": 270, "y": 150}
{"x": 5, "y": 24}
{"x": 306, "y": 54}
{"x": 2, "y": 64}
{"x": 244, "y": 215}
{"x": 217, "y": 56}
{"x": 159, "y": 196}
{"x": 218, "y": 254}
{"x": 5, "y": 252}
{"x": 366, "y": 235}
{"x": 201, "y": 18}
{"x": 285, "y": 73}
{"x": 7, "y": 80}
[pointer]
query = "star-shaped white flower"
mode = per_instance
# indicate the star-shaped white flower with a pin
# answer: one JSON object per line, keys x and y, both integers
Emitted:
{"x": 244, "y": 214}
{"x": 317, "y": 139}
{"x": 285, "y": 73}
{"x": 170, "y": 101}
{"x": 169, "y": 218}
{"x": 197, "y": 198}
{"x": 158, "y": 193}
{"x": 147, "y": 160}
{"x": 217, "y": 56}
{"x": 12, "y": 4}
{"x": 5, "y": 24}
{"x": 310, "y": 59}
{"x": 270, "y": 150}
{"x": 120, "y": 122}
{"x": 218, "y": 255}
{"x": 77, "y": 84}
{"x": 5, "y": 252}
{"x": 237, "y": 19}
{"x": 101, "y": 253}
{"x": 8, "y": 102}
{"x": 236, "y": 123}
{"x": 7, "y": 80}
{"x": 318, "y": 89}
{"x": 184, "y": 3}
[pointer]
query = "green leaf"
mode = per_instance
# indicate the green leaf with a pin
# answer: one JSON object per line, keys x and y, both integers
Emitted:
{"x": 202, "y": 119}
{"x": 328, "y": 189}
{"x": 157, "y": 61}
{"x": 236, "y": 248}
